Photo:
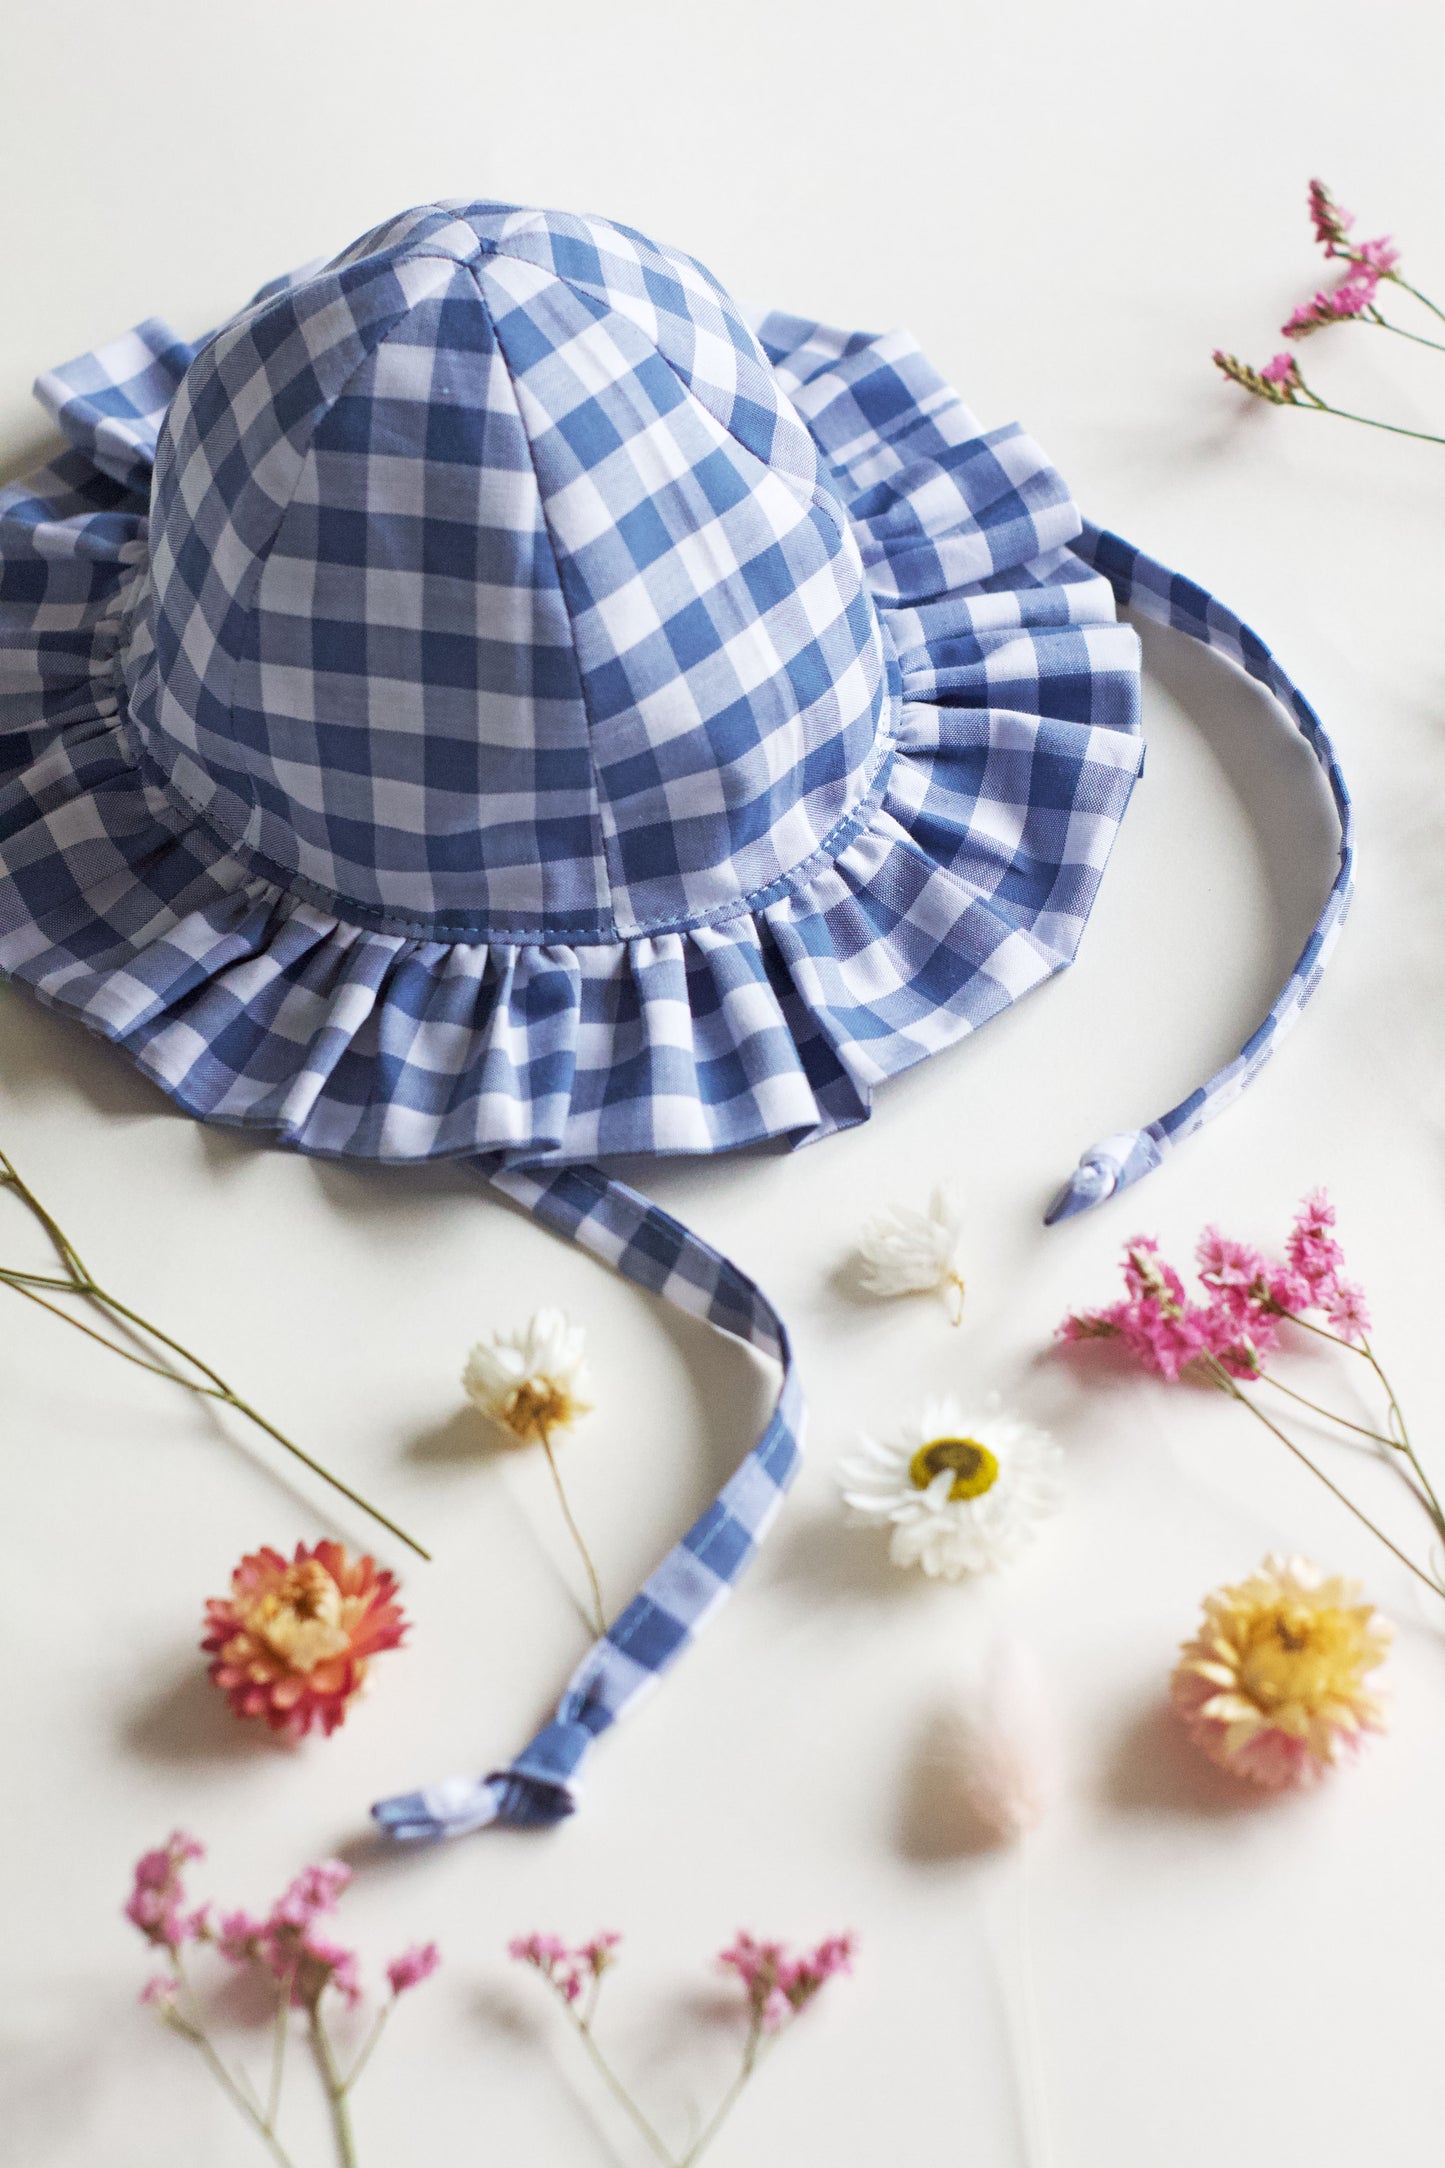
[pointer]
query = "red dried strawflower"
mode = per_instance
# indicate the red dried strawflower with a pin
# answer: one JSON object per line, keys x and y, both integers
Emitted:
{"x": 293, "y": 1641}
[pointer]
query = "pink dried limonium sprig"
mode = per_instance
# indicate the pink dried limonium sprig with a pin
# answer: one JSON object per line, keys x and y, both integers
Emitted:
{"x": 1354, "y": 298}
{"x": 290, "y": 1949}
{"x": 778, "y": 1985}
{"x": 1225, "y": 1337}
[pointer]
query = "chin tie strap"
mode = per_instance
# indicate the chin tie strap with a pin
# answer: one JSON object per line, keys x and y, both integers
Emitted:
{"x": 1110, "y": 1166}
{"x": 647, "y": 1246}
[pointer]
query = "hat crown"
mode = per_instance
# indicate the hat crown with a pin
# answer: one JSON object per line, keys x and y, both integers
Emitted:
{"x": 496, "y": 590}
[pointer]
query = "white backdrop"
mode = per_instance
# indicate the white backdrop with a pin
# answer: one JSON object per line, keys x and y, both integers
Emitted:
{"x": 1070, "y": 206}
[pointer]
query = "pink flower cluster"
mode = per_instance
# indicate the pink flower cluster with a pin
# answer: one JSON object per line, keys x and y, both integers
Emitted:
{"x": 778, "y": 1985}
{"x": 1283, "y": 372}
{"x": 1247, "y": 1297}
{"x": 413, "y": 1966}
{"x": 157, "y": 1902}
{"x": 567, "y": 1970}
{"x": 287, "y": 1942}
{"x": 1369, "y": 263}
{"x": 1336, "y": 304}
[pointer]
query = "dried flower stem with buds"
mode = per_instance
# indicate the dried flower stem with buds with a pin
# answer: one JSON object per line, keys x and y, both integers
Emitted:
{"x": 530, "y": 1383}
{"x": 1223, "y": 1341}
{"x": 155, "y": 1351}
{"x": 778, "y": 1987}
{"x": 297, "y": 1961}
{"x": 1354, "y": 300}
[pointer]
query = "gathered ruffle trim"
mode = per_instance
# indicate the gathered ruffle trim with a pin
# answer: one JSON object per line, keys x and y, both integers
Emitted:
{"x": 967, "y": 886}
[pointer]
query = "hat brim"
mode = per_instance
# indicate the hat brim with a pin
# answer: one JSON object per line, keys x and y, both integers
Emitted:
{"x": 964, "y": 879}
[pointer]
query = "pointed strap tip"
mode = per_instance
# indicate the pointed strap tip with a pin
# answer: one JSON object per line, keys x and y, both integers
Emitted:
{"x": 442, "y": 1810}
{"x": 1106, "y": 1168}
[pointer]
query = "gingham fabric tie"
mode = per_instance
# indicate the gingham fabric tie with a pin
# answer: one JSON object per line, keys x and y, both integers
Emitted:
{"x": 657, "y": 1252}
{"x": 1169, "y": 599}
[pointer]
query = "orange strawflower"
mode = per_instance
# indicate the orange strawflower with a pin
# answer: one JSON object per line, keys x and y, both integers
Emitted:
{"x": 293, "y": 1642}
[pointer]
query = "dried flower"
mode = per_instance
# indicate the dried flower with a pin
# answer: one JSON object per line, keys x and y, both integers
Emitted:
{"x": 531, "y": 1383}
{"x": 1248, "y": 1296}
{"x": 1225, "y": 1339}
{"x": 1279, "y": 381}
{"x": 293, "y": 1642}
{"x": 1355, "y": 299}
{"x": 295, "y": 1957}
{"x": 960, "y": 1496}
{"x": 1335, "y": 304}
{"x": 287, "y": 1943}
{"x": 1330, "y": 220}
{"x": 413, "y": 1966}
{"x": 1272, "y": 1686}
{"x": 156, "y": 1904}
{"x": 995, "y": 1748}
{"x": 778, "y": 1984}
{"x": 908, "y": 1252}
{"x": 566, "y": 1970}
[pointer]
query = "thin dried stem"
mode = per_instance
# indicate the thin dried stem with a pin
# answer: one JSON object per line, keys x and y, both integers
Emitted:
{"x": 335, "y": 2085}
{"x": 599, "y": 1613}
{"x": 189, "y": 2027}
{"x": 656, "y": 2145}
{"x": 1227, "y": 1384}
{"x": 81, "y": 1282}
{"x": 754, "y": 2048}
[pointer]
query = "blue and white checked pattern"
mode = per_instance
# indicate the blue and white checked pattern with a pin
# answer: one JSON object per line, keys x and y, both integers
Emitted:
{"x": 1169, "y": 599}
{"x": 496, "y": 596}
{"x": 543, "y": 718}
{"x": 658, "y": 1253}
{"x": 962, "y": 878}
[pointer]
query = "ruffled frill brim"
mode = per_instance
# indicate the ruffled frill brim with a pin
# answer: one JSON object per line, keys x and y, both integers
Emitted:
{"x": 967, "y": 883}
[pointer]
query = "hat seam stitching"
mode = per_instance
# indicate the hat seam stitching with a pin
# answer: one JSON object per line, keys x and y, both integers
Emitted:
{"x": 599, "y": 813}
{"x": 821, "y": 499}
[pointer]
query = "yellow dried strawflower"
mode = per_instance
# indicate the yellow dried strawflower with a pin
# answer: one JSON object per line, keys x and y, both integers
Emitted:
{"x": 1272, "y": 1686}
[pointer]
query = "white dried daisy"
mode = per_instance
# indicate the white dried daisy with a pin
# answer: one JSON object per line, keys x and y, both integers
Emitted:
{"x": 908, "y": 1252}
{"x": 531, "y": 1382}
{"x": 961, "y": 1495}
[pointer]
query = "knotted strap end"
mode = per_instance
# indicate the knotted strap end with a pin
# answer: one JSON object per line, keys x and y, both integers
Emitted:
{"x": 533, "y": 1793}
{"x": 1105, "y": 1169}
{"x": 448, "y": 1809}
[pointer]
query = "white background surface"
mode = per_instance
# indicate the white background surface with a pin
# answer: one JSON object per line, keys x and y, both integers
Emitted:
{"x": 1070, "y": 206}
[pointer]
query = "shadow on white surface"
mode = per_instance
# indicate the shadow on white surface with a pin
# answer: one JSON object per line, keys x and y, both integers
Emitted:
{"x": 829, "y": 1560}
{"x": 529, "y": 2034}
{"x": 1281, "y": 799}
{"x": 1155, "y": 1769}
{"x": 188, "y": 1720}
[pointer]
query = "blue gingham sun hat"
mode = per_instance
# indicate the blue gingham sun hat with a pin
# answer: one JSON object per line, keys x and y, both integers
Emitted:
{"x": 489, "y": 700}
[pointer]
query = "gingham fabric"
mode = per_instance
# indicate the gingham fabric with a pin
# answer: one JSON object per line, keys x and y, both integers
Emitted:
{"x": 660, "y": 1254}
{"x": 490, "y": 700}
{"x": 377, "y": 637}
{"x": 1169, "y": 599}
